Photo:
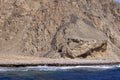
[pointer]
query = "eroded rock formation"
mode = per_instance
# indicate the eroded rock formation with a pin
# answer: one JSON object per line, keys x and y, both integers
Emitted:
{"x": 88, "y": 29}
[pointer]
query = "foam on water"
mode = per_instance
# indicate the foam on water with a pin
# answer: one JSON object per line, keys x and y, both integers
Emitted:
{"x": 54, "y": 68}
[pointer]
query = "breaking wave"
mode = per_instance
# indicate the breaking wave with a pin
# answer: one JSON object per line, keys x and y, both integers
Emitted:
{"x": 55, "y": 68}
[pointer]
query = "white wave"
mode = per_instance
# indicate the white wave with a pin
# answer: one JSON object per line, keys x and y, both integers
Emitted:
{"x": 55, "y": 68}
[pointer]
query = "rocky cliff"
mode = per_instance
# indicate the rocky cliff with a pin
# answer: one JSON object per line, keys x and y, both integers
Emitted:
{"x": 85, "y": 29}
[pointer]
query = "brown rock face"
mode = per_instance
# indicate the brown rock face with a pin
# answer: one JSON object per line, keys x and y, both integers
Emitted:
{"x": 88, "y": 29}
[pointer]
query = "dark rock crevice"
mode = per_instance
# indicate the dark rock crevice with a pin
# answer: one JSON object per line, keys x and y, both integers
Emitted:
{"x": 102, "y": 48}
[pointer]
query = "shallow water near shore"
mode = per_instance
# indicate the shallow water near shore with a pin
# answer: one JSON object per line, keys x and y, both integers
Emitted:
{"x": 61, "y": 73}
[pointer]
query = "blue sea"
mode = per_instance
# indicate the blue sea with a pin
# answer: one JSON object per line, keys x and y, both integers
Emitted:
{"x": 60, "y": 73}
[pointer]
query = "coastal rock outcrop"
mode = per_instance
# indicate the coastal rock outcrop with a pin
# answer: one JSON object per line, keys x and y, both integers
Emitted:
{"x": 85, "y": 29}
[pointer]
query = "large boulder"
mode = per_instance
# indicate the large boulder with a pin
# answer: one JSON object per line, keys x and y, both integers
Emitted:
{"x": 88, "y": 29}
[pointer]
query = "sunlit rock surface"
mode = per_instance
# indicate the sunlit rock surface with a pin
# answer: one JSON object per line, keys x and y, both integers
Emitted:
{"x": 85, "y": 29}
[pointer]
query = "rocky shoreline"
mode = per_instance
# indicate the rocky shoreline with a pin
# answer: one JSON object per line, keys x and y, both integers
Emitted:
{"x": 22, "y": 61}
{"x": 59, "y": 32}
{"x": 84, "y": 29}
{"x": 56, "y": 62}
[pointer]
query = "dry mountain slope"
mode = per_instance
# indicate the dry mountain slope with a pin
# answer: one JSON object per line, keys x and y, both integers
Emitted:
{"x": 85, "y": 29}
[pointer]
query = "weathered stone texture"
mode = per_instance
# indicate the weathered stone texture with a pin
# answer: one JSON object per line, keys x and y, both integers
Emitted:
{"x": 87, "y": 29}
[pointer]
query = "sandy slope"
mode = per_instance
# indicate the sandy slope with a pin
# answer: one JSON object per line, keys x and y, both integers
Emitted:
{"x": 84, "y": 29}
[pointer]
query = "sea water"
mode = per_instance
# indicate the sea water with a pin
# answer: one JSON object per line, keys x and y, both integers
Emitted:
{"x": 61, "y": 73}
